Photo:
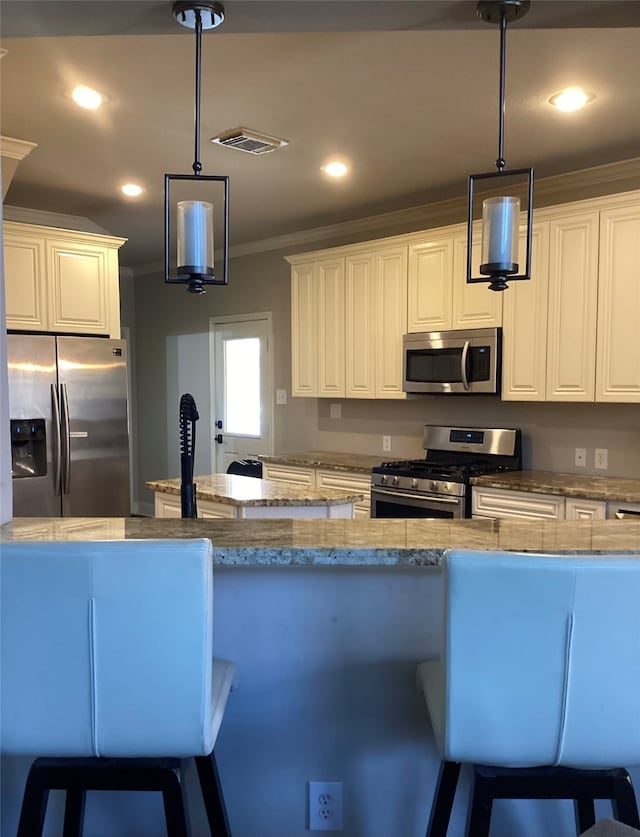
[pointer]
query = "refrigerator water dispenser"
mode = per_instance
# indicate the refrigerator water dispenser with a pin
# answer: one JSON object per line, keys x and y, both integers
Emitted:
{"x": 28, "y": 448}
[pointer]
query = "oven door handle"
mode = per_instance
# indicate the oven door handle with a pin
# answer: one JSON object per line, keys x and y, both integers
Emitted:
{"x": 430, "y": 497}
{"x": 463, "y": 365}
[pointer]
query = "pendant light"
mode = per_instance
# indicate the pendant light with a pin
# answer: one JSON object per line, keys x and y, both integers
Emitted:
{"x": 189, "y": 247}
{"x": 501, "y": 260}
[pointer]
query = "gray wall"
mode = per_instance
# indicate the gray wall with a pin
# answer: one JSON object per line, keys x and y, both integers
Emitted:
{"x": 171, "y": 329}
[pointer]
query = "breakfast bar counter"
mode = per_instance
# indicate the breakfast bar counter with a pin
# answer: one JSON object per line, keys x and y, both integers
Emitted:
{"x": 344, "y": 543}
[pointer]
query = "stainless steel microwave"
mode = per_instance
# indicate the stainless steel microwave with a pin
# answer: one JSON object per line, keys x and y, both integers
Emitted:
{"x": 453, "y": 362}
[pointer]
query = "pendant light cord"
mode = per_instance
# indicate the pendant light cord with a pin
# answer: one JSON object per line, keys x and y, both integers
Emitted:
{"x": 500, "y": 162}
{"x": 197, "y": 165}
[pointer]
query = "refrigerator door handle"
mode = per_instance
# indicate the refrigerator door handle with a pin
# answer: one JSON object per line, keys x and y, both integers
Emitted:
{"x": 66, "y": 440}
{"x": 57, "y": 452}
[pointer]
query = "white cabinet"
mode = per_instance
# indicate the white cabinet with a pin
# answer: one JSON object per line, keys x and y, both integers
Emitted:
{"x": 439, "y": 297}
{"x": 61, "y": 281}
{"x": 528, "y": 505}
{"x": 503, "y": 503}
{"x": 577, "y": 508}
{"x": 618, "y": 345}
{"x": 348, "y": 316}
{"x": 430, "y": 284}
{"x": 323, "y": 478}
{"x": 573, "y": 279}
{"x": 524, "y": 325}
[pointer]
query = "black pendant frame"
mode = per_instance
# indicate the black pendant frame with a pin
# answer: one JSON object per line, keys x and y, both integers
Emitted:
{"x": 498, "y": 282}
{"x": 195, "y": 281}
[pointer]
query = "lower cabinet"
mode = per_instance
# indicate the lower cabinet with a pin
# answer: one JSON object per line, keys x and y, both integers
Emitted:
{"x": 502, "y": 503}
{"x": 170, "y": 505}
{"x": 324, "y": 478}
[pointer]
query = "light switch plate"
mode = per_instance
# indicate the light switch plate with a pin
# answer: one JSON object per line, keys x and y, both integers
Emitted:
{"x": 281, "y": 396}
{"x": 335, "y": 410}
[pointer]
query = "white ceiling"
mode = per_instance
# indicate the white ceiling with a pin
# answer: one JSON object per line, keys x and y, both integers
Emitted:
{"x": 406, "y": 92}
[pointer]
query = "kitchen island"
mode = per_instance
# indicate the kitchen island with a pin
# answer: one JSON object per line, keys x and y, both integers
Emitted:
{"x": 234, "y": 496}
{"x": 326, "y": 621}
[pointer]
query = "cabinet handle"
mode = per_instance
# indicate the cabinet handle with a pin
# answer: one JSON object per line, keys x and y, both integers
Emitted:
{"x": 463, "y": 365}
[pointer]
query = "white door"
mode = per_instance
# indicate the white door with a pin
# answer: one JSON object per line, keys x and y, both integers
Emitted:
{"x": 242, "y": 388}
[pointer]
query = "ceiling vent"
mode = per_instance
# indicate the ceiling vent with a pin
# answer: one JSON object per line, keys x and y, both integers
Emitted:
{"x": 250, "y": 141}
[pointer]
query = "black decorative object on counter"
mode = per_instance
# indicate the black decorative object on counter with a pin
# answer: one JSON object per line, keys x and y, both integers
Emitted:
{"x": 188, "y": 418}
{"x": 500, "y": 260}
{"x": 189, "y": 236}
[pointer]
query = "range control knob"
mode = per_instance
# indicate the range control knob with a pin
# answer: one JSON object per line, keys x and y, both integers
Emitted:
{"x": 395, "y": 480}
{"x": 414, "y": 483}
{"x": 434, "y": 485}
{"x": 383, "y": 479}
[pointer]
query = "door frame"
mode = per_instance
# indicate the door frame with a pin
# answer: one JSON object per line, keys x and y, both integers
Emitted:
{"x": 231, "y": 319}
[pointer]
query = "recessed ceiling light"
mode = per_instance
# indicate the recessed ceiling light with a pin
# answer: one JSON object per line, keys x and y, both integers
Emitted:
{"x": 573, "y": 98}
{"x": 86, "y": 97}
{"x": 335, "y": 168}
{"x": 132, "y": 190}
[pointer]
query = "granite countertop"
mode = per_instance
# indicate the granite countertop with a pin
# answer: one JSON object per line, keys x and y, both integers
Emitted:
{"x": 344, "y": 543}
{"x": 569, "y": 485}
{"x": 331, "y": 460}
{"x": 235, "y": 490}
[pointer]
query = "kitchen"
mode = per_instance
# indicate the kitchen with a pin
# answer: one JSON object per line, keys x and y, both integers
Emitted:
{"x": 170, "y": 332}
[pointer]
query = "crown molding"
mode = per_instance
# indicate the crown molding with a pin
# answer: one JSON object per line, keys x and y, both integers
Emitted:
{"x": 561, "y": 188}
{"x": 453, "y": 210}
{"x": 16, "y": 149}
{"x": 42, "y": 218}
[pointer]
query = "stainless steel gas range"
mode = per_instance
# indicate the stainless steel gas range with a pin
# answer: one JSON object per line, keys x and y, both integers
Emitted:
{"x": 438, "y": 485}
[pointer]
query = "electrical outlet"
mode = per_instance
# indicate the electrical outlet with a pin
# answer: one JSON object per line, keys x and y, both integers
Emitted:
{"x": 602, "y": 458}
{"x": 386, "y": 444}
{"x": 325, "y": 806}
{"x": 581, "y": 457}
{"x": 335, "y": 410}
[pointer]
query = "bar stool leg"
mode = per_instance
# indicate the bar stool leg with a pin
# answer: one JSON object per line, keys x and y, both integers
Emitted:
{"x": 74, "y": 813}
{"x": 174, "y": 812}
{"x": 585, "y": 813}
{"x": 212, "y": 795}
{"x": 625, "y": 807}
{"x": 443, "y": 799}
{"x": 479, "y": 815}
{"x": 34, "y": 803}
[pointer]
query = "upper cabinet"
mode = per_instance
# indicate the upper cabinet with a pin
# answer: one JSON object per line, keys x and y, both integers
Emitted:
{"x": 348, "y": 315}
{"x": 618, "y": 355}
{"x": 439, "y": 297}
{"x": 61, "y": 281}
{"x": 569, "y": 334}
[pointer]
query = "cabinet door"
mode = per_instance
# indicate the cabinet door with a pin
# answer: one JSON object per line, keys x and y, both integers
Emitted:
{"x": 618, "y": 352}
{"x": 573, "y": 281}
{"x": 474, "y": 306}
{"x": 304, "y": 330}
{"x": 25, "y": 282}
{"x": 78, "y": 300}
{"x": 391, "y": 320}
{"x": 430, "y": 285}
{"x": 361, "y": 332}
{"x": 524, "y": 326}
{"x": 347, "y": 481}
{"x": 167, "y": 505}
{"x": 288, "y": 475}
{"x": 331, "y": 328}
{"x": 580, "y": 509}
{"x": 502, "y": 503}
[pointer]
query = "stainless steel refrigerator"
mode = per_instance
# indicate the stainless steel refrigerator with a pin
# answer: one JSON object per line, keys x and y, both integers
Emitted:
{"x": 69, "y": 426}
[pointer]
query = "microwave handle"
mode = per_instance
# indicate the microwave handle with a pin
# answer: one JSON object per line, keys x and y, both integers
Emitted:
{"x": 463, "y": 364}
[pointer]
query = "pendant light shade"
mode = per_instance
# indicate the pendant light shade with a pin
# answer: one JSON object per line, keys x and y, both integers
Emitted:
{"x": 196, "y": 206}
{"x": 506, "y": 254}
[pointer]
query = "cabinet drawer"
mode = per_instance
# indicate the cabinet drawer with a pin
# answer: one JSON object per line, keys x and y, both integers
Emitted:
{"x": 348, "y": 482}
{"x": 499, "y": 503}
{"x": 577, "y": 508}
{"x": 289, "y": 475}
